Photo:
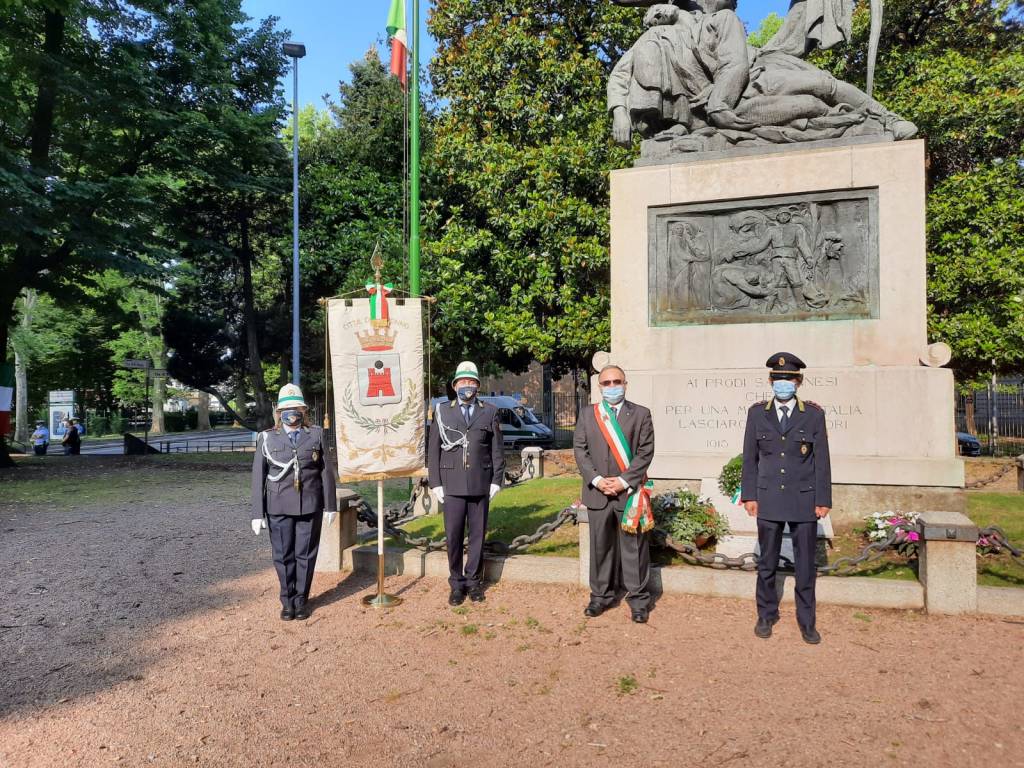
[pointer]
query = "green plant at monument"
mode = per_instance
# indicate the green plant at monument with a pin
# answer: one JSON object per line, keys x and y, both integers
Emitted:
{"x": 686, "y": 517}
{"x": 732, "y": 473}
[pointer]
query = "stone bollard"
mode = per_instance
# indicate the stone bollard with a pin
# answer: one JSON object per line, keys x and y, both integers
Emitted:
{"x": 533, "y": 461}
{"x": 425, "y": 503}
{"x": 947, "y": 562}
{"x": 1020, "y": 472}
{"x": 340, "y": 535}
{"x": 583, "y": 520}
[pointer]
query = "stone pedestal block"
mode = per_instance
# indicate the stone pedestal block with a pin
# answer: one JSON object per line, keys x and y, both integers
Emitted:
{"x": 947, "y": 564}
{"x": 339, "y": 535}
{"x": 583, "y": 521}
{"x": 533, "y": 461}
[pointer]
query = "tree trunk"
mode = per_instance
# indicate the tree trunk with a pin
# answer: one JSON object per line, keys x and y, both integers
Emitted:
{"x": 241, "y": 410}
{"x": 21, "y": 414}
{"x": 255, "y": 362}
{"x": 203, "y": 409}
{"x": 972, "y": 428}
{"x": 158, "y": 426}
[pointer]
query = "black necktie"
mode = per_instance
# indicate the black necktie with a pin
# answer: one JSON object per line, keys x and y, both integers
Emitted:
{"x": 465, "y": 412}
{"x": 294, "y": 437}
{"x": 784, "y": 421}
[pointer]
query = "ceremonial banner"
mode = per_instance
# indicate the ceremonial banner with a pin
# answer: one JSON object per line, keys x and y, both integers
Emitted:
{"x": 376, "y": 364}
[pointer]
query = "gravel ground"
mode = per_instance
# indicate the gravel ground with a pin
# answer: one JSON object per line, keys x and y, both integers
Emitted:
{"x": 146, "y": 633}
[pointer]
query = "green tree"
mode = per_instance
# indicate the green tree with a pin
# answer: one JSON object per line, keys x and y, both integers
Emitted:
{"x": 769, "y": 25}
{"x": 518, "y": 251}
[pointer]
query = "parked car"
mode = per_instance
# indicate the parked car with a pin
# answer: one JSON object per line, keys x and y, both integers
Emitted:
{"x": 520, "y": 426}
{"x": 969, "y": 445}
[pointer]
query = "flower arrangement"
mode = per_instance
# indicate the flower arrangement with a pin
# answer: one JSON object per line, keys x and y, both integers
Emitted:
{"x": 729, "y": 479}
{"x": 881, "y": 525}
{"x": 686, "y": 517}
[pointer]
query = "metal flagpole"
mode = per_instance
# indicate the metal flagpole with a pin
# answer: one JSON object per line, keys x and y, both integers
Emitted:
{"x": 382, "y": 599}
{"x": 414, "y": 181}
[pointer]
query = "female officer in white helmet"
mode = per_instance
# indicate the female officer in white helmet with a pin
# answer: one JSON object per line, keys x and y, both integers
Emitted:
{"x": 293, "y": 482}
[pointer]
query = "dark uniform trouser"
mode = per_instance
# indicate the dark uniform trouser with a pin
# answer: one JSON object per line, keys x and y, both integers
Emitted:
{"x": 618, "y": 559}
{"x": 295, "y": 540}
{"x": 458, "y": 510}
{"x": 805, "y": 540}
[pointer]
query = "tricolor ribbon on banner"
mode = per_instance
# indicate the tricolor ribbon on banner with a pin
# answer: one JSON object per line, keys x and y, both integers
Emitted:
{"x": 638, "y": 516}
{"x": 379, "y": 302}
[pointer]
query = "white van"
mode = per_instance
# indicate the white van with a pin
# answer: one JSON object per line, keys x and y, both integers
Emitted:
{"x": 520, "y": 426}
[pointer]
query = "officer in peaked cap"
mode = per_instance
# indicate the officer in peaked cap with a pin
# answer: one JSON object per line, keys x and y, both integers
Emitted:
{"x": 787, "y": 480}
{"x": 293, "y": 482}
{"x": 465, "y": 466}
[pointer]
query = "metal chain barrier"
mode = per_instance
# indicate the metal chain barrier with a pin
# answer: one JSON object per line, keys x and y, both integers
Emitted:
{"x": 999, "y": 475}
{"x": 748, "y": 561}
{"x": 997, "y": 542}
{"x": 394, "y": 518}
{"x": 527, "y": 471}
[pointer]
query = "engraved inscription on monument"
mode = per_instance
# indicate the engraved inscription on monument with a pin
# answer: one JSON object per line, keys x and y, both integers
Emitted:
{"x": 786, "y": 258}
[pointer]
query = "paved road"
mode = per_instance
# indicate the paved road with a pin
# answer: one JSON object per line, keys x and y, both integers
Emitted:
{"x": 222, "y": 439}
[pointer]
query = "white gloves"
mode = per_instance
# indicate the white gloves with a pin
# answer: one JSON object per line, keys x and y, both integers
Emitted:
{"x": 438, "y": 494}
{"x": 494, "y": 490}
{"x": 329, "y": 517}
{"x": 257, "y": 524}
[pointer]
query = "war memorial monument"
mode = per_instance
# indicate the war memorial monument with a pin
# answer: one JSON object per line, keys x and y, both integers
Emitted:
{"x": 775, "y": 207}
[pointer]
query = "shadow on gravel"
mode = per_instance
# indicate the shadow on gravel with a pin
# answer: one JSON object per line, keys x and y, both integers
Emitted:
{"x": 86, "y": 586}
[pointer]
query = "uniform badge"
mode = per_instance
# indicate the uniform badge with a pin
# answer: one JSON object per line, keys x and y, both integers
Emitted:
{"x": 782, "y": 360}
{"x": 316, "y": 455}
{"x": 804, "y": 449}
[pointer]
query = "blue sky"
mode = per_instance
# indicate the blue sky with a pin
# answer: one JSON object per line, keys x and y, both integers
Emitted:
{"x": 338, "y": 32}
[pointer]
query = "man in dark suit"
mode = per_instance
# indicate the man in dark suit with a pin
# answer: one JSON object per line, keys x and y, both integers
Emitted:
{"x": 293, "y": 482}
{"x": 787, "y": 480}
{"x": 614, "y": 479}
{"x": 465, "y": 467}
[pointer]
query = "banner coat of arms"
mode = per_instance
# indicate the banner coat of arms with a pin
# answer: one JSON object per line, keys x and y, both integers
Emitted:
{"x": 376, "y": 364}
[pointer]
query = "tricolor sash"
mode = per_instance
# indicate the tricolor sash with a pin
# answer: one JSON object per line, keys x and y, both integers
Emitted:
{"x": 638, "y": 516}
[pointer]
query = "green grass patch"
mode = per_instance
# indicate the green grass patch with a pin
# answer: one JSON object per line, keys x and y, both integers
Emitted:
{"x": 626, "y": 685}
{"x": 395, "y": 491}
{"x": 112, "y": 486}
{"x": 229, "y": 458}
{"x": 518, "y": 510}
{"x": 1007, "y": 511}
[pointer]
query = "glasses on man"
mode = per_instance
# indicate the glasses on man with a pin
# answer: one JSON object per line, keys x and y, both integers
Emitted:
{"x": 612, "y": 382}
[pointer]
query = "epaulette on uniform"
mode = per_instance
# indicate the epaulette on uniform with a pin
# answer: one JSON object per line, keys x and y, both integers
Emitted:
{"x": 765, "y": 403}
{"x": 813, "y": 404}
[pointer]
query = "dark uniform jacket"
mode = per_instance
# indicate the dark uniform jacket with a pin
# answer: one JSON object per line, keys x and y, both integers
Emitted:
{"x": 472, "y": 473}
{"x": 787, "y": 474}
{"x": 316, "y": 475}
{"x": 594, "y": 457}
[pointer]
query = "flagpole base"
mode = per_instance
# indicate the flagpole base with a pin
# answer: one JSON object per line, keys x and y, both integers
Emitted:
{"x": 382, "y": 600}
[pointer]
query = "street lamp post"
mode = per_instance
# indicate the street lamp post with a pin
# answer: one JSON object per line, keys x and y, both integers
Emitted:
{"x": 296, "y": 51}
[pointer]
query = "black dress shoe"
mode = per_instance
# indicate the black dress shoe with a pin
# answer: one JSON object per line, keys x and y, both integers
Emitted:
{"x": 476, "y": 594}
{"x": 763, "y": 628}
{"x": 302, "y": 612}
{"x": 810, "y": 635}
{"x": 593, "y": 610}
{"x": 640, "y": 615}
{"x": 456, "y": 597}
{"x": 287, "y": 614}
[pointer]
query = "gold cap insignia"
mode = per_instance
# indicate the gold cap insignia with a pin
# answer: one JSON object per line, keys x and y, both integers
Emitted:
{"x": 782, "y": 360}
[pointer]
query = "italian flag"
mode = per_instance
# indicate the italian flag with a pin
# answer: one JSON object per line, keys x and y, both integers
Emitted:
{"x": 6, "y": 396}
{"x": 399, "y": 42}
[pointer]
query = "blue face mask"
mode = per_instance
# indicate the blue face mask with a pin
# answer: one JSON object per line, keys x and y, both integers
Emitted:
{"x": 613, "y": 395}
{"x": 784, "y": 389}
{"x": 466, "y": 393}
{"x": 291, "y": 418}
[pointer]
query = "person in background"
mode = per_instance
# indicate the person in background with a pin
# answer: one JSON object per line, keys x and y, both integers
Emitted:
{"x": 72, "y": 441}
{"x": 40, "y": 439}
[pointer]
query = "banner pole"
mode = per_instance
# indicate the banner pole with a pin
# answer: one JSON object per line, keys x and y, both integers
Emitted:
{"x": 382, "y": 599}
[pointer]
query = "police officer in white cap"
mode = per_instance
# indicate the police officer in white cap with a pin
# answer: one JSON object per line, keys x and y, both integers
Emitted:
{"x": 293, "y": 482}
{"x": 465, "y": 464}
